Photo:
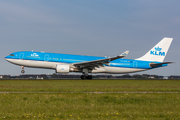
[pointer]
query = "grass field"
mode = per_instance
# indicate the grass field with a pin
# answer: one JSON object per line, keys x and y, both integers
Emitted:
{"x": 89, "y": 85}
{"x": 72, "y": 103}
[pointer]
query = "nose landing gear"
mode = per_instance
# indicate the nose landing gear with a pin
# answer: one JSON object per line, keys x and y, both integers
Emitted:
{"x": 22, "y": 71}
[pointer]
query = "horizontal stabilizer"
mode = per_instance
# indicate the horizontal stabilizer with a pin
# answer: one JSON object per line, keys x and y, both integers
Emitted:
{"x": 158, "y": 64}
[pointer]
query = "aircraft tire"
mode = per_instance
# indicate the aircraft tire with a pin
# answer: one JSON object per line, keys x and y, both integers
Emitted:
{"x": 22, "y": 71}
{"x": 83, "y": 77}
{"x": 89, "y": 77}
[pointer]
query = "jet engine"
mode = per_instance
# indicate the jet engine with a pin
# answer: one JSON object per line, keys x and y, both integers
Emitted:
{"x": 62, "y": 68}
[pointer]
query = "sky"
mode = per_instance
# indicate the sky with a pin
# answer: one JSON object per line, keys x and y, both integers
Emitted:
{"x": 94, "y": 27}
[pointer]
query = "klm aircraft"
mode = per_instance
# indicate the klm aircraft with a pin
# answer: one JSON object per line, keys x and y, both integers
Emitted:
{"x": 65, "y": 63}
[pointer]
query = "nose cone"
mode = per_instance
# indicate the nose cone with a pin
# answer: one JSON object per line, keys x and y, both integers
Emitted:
{"x": 7, "y": 58}
{"x": 11, "y": 56}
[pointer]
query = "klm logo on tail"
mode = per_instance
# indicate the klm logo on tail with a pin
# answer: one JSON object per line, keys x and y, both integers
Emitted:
{"x": 157, "y": 52}
{"x": 158, "y": 49}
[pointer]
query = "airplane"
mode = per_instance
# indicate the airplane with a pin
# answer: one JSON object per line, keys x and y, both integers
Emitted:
{"x": 65, "y": 63}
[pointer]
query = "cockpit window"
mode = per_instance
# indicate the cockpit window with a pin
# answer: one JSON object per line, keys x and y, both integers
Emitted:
{"x": 11, "y": 55}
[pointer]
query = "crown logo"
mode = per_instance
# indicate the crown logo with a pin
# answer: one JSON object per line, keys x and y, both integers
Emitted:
{"x": 158, "y": 49}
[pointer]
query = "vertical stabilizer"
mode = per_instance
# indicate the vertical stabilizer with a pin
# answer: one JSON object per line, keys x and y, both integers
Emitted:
{"x": 158, "y": 52}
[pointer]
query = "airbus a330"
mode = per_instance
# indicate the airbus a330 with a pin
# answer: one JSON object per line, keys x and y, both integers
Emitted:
{"x": 65, "y": 63}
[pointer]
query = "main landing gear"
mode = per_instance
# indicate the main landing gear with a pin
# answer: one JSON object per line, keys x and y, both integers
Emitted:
{"x": 89, "y": 77}
{"x": 85, "y": 74}
{"x": 22, "y": 71}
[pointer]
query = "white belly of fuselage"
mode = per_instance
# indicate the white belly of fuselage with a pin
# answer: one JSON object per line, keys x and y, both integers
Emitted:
{"x": 35, "y": 64}
{"x": 52, "y": 65}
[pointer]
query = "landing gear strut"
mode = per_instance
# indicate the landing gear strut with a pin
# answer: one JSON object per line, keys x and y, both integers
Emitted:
{"x": 22, "y": 71}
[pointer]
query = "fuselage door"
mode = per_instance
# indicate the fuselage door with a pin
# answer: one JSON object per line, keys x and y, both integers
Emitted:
{"x": 46, "y": 57}
{"x": 21, "y": 56}
{"x": 134, "y": 64}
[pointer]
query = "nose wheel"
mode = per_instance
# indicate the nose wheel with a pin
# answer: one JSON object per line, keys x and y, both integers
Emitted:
{"x": 22, "y": 71}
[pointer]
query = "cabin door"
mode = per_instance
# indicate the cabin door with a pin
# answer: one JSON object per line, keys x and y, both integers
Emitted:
{"x": 46, "y": 58}
{"x": 21, "y": 56}
{"x": 134, "y": 64}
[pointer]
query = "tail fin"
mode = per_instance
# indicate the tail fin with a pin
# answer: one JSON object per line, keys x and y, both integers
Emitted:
{"x": 158, "y": 52}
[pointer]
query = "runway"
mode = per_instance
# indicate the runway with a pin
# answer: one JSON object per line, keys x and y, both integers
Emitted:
{"x": 6, "y": 92}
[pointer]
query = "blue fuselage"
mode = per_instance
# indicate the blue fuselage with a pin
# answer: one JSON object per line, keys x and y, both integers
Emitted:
{"x": 70, "y": 59}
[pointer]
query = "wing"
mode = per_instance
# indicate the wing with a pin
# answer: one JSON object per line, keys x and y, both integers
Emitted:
{"x": 100, "y": 62}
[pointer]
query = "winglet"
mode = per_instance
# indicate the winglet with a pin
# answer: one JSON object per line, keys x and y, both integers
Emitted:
{"x": 124, "y": 54}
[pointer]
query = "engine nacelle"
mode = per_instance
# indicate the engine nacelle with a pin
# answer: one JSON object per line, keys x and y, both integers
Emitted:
{"x": 62, "y": 69}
